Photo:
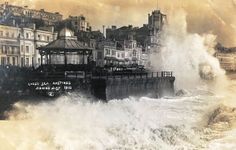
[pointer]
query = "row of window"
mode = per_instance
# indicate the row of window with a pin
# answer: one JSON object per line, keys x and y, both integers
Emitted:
{"x": 9, "y": 61}
{"x": 15, "y": 61}
{"x": 122, "y": 55}
{"x": 43, "y": 38}
{"x": 27, "y": 36}
{"x": 26, "y": 48}
{"x": 14, "y": 49}
{"x": 9, "y": 50}
{"x": 7, "y": 34}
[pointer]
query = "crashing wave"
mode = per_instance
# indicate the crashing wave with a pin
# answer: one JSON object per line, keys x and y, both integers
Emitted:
{"x": 223, "y": 118}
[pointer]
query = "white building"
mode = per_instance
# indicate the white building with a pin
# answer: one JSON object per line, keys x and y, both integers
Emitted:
{"x": 18, "y": 45}
{"x": 125, "y": 52}
{"x": 42, "y": 37}
{"x": 9, "y": 45}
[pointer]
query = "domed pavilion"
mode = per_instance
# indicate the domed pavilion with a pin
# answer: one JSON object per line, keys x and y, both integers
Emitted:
{"x": 66, "y": 50}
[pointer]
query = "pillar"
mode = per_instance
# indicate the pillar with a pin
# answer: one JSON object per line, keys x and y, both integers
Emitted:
{"x": 65, "y": 58}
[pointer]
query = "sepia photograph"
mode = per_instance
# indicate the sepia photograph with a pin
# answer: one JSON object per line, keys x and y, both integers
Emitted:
{"x": 117, "y": 74}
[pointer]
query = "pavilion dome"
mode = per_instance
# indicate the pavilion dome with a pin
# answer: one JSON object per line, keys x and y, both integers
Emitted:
{"x": 65, "y": 32}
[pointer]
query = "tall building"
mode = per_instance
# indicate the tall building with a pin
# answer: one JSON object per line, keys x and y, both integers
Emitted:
{"x": 78, "y": 23}
{"x": 9, "y": 45}
{"x": 18, "y": 45}
{"x": 156, "y": 21}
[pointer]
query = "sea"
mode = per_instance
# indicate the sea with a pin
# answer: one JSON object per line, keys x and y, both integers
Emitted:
{"x": 196, "y": 120}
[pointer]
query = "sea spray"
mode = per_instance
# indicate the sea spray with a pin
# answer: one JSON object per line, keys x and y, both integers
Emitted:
{"x": 188, "y": 55}
{"x": 73, "y": 123}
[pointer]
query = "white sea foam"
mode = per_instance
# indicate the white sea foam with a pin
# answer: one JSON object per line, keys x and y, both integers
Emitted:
{"x": 72, "y": 123}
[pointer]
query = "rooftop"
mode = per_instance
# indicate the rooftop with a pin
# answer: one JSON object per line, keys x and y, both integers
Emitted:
{"x": 66, "y": 42}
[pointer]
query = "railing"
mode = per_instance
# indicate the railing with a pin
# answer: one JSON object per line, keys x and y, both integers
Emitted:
{"x": 83, "y": 75}
{"x": 136, "y": 75}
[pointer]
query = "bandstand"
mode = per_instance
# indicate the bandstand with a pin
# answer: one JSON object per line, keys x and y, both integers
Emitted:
{"x": 66, "y": 52}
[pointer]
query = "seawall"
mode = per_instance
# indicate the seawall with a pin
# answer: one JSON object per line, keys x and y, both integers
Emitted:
{"x": 123, "y": 87}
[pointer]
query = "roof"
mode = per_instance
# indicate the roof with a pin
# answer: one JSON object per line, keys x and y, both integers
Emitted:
{"x": 65, "y": 32}
{"x": 65, "y": 42}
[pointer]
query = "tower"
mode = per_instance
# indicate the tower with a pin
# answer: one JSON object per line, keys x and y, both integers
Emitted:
{"x": 156, "y": 21}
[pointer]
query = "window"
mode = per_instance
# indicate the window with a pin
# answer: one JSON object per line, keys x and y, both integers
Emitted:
{"x": 27, "y": 36}
{"x": 4, "y": 49}
{"x": 108, "y": 52}
{"x": 123, "y": 55}
{"x": 99, "y": 56}
{"x": 134, "y": 53}
{"x": 7, "y": 50}
{"x": 12, "y": 35}
{"x": 8, "y": 60}
{"x": 16, "y": 61}
{"x": 7, "y": 34}
{"x": 27, "y": 49}
{"x": 39, "y": 37}
{"x": 13, "y": 61}
{"x": 1, "y": 33}
{"x": 16, "y": 50}
{"x": 22, "y": 49}
{"x": 22, "y": 61}
{"x": 32, "y": 61}
{"x": 113, "y": 53}
{"x": 3, "y": 60}
{"x": 27, "y": 62}
{"x": 10, "y": 50}
{"x": 48, "y": 38}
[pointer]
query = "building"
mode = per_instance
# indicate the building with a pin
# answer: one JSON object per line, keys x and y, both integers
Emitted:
{"x": 227, "y": 61}
{"x": 27, "y": 51}
{"x": 156, "y": 21}
{"x": 18, "y": 44}
{"x": 78, "y": 23}
{"x": 9, "y": 45}
{"x": 147, "y": 36}
{"x": 119, "y": 52}
{"x": 42, "y": 37}
{"x": 226, "y": 57}
{"x": 25, "y": 14}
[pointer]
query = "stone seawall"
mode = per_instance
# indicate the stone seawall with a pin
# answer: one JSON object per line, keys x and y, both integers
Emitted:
{"x": 118, "y": 88}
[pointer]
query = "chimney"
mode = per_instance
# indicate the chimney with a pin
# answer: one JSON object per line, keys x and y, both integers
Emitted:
{"x": 103, "y": 30}
{"x": 113, "y": 27}
{"x": 52, "y": 29}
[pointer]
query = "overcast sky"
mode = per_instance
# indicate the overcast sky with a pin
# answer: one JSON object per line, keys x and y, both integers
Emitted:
{"x": 203, "y": 16}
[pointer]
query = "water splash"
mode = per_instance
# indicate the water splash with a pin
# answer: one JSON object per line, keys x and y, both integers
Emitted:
{"x": 72, "y": 123}
{"x": 188, "y": 55}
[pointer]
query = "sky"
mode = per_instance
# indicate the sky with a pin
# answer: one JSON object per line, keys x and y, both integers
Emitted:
{"x": 203, "y": 16}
